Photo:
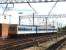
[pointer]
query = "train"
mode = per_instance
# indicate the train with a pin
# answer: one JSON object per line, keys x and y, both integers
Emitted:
{"x": 25, "y": 31}
{"x": 35, "y": 29}
{"x": 14, "y": 30}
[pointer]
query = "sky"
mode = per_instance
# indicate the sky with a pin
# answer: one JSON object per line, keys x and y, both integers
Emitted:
{"x": 41, "y": 8}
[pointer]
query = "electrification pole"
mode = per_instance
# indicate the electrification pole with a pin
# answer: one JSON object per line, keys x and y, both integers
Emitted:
{"x": 46, "y": 22}
{"x": 19, "y": 20}
{"x": 33, "y": 19}
{"x": 53, "y": 26}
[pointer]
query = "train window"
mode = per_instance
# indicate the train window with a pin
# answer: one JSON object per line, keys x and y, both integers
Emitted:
{"x": 24, "y": 29}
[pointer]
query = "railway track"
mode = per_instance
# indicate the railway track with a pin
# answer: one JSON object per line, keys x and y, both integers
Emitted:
{"x": 56, "y": 45}
{"x": 20, "y": 44}
{"x": 63, "y": 46}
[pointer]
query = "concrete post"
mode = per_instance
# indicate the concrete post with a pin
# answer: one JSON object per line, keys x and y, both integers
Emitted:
{"x": 5, "y": 28}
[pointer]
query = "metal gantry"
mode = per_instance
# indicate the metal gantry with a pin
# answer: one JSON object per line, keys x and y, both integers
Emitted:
{"x": 43, "y": 16}
{"x": 46, "y": 17}
{"x": 31, "y": 1}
